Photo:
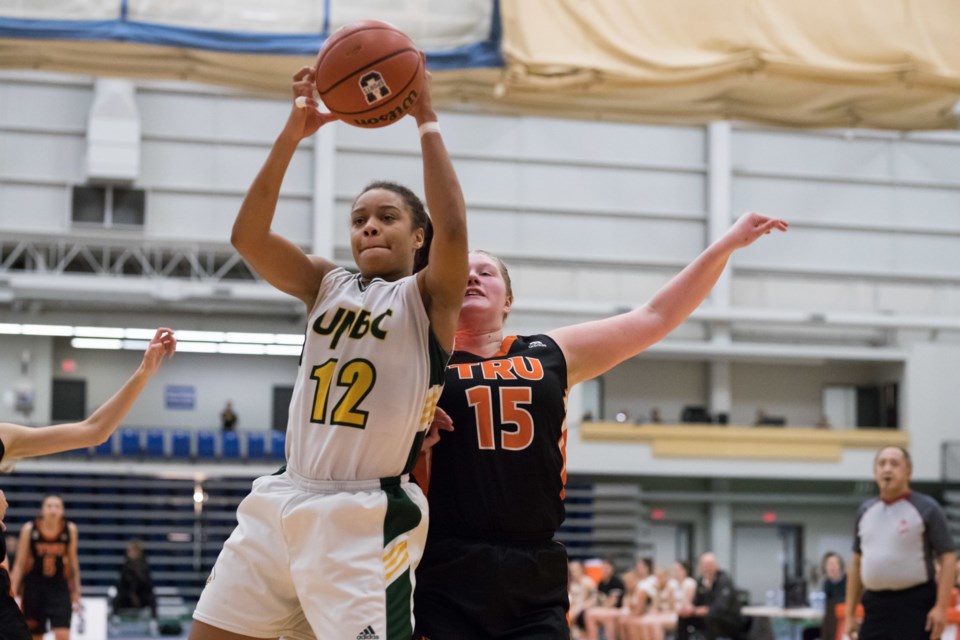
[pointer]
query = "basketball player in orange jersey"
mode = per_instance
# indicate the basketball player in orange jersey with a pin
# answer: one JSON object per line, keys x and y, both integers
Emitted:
{"x": 26, "y": 442}
{"x": 491, "y": 568}
{"x": 47, "y": 571}
{"x": 327, "y": 548}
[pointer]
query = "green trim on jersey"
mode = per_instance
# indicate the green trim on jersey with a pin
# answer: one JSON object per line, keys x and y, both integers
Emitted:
{"x": 399, "y": 596}
{"x": 414, "y": 452}
{"x": 402, "y": 516}
{"x": 438, "y": 360}
{"x": 402, "y": 513}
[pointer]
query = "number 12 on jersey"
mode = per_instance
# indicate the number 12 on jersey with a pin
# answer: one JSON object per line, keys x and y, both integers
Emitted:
{"x": 511, "y": 413}
{"x": 358, "y": 376}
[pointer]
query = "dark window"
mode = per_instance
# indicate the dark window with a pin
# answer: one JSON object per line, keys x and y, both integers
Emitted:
{"x": 90, "y": 204}
{"x": 108, "y": 206}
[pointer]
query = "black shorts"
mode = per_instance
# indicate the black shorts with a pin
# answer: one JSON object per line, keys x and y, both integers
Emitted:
{"x": 46, "y": 600}
{"x": 474, "y": 590}
{"x": 898, "y": 615}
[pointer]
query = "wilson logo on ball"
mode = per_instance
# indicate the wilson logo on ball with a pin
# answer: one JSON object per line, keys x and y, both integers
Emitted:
{"x": 374, "y": 87}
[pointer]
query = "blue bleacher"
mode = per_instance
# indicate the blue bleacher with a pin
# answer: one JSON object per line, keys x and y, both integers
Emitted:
{"x": 206, "y": 445}
{"x": 230, "y": 445}
{"x": 256, "y": 445}
{"x": 180, "y": 445}
{"x": 130, "y": 442}
{"x": 278, "y": 441}
{"x": 105, "y": 448}
{"x": 155, "y": 444}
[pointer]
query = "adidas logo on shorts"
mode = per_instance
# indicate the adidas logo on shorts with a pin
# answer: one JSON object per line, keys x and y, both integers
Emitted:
{"x": 368, "y": 634}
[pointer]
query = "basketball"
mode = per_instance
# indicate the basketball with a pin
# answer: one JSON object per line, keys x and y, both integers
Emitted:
{"x": 369, "y": 74}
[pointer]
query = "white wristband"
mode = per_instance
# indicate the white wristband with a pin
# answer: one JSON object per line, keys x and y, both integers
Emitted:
{"x": 429, "y": 127}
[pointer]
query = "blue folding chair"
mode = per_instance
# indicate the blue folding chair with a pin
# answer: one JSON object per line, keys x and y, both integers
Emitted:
{"x": 278, "y": 440}
{"x": 130, "y": 443}
{"x": 256, "y": 445}
{"x": 181, "y": 444}
{"x": 230, "y": 445}
{"x": 155, "y": 444}
{"x": 206, "y": 445}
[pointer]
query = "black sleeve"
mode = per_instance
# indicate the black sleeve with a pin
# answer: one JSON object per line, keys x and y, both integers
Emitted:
{"x": 725, "y": 605}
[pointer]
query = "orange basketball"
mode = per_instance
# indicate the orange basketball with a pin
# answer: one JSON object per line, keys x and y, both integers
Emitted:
{"x": 369, "y": 74}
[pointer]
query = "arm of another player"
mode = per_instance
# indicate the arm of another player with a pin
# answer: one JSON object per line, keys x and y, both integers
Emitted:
{"x": 854, "y": 592}
{"x": 593, "y": 348}
{"x": 74, "y": 560}
{"x": 937, "y": 617}
{"x": 20, "y": 564}
{"x": 26, "y": 442}
{"x": 278, "y": 260}
{"x": 443, "y": 282}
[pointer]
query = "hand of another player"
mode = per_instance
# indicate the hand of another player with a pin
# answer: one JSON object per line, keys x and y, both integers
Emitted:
{"x": 163, "y": 344}
{"x": 936, "y": 622}
{"x": 422, "y": 109}
{"x": 3, "y": 510}
{"x": 750, "y": 227}
{"x": 851, "y": 629}
{"x": 441, "y": 422}
{"x": 305, "y": 118}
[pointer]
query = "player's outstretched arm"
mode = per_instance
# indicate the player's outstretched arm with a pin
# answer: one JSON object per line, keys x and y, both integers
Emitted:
{"x": 27, "y": 442}
{"x": 444, "y": 280}
{"x": 593, "y": 348}
{"x": 278, "y": 260}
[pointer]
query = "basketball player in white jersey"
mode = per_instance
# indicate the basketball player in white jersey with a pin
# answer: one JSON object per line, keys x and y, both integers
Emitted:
{"x": 328, "y": 547}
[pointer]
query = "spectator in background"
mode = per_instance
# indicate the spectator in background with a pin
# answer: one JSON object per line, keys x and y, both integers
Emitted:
{"x": 761, "y": 417}
{"x": 582, "y": 592}
{"x": 715, "y": 611}
{"x": 661, "y": 611}
{"x": 610, "y": 592}
{"x": 135, "y": 586}
{"x": 824, "y": 423}
{"x": 686, "y": 584}
{"x": 834, "y": 592}
{"x": 228, "y": 417}
{"x": 655, "y": 416}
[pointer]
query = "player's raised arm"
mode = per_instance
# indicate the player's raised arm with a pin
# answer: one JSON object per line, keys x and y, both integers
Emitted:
{"x": 278, "y": 260}
{"x": 27, "y": 442}
{"x": 592, "y": 348}
{"x": 444, "y": 280}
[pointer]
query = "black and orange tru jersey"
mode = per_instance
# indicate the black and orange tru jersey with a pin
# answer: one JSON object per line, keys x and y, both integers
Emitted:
{"x": 49, "y": 555}
{"x": 500, "y": 474}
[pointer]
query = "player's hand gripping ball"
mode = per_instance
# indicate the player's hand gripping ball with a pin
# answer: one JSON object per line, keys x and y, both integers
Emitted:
{"x": 369, "y": 74}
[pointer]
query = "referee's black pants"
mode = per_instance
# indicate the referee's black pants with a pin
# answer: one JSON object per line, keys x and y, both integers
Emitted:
{"x": 898, "y": 615}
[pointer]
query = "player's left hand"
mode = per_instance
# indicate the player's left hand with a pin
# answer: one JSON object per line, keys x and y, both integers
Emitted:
{"x": 750, "y": 227}
{"x": 936, "y": 622}
{"x": 441, "y": 422}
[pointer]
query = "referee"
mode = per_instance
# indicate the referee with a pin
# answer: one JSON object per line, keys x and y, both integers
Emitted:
{"x": 897, "y": 538}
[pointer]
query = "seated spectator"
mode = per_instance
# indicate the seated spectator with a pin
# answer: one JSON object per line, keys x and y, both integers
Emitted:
{"x": 607, "y": 611}
{"x": 715, "y": 612}
{"x": 686, "y": 585}
{"x": 135, "y": 587}
{"x": 655, "y": 416}
{"x": 583, "y": 594}
{"x": 660, "y": 615}
{"x": 638, "y": 597}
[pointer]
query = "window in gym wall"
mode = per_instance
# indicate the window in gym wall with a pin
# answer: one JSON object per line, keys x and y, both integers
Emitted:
{"x": 108, "y": 206}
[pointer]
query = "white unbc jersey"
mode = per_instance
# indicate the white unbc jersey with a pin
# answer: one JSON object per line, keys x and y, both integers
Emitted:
{"x": 369, "y": 379}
